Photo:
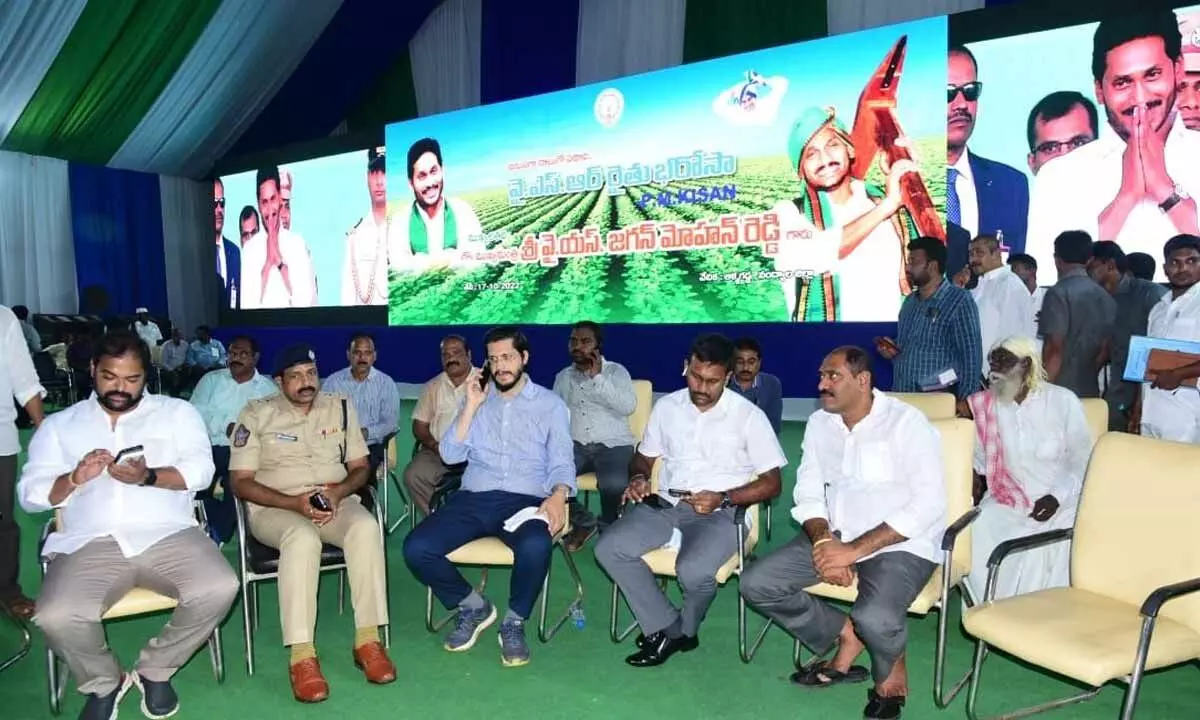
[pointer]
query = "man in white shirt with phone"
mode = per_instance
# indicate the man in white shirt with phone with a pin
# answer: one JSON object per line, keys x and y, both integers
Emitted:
{"x": 122, "y": 467}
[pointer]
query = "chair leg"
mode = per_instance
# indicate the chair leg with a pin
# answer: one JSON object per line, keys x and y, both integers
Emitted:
{"x": 342, "y": 591}
{"x": 410, "y": 511}
{"x": 942, "y": 698}
{"x": 254, "y": 603}
{"x": 618, "y": 636}
{"x": 55, "y": 684}
{"x": 981, "y": 652}
{"x": 747, "y": 652}
{"x": 543, "y": 634}
{"x": 248, "y": 612}
{"x": 767, "y": 525}
{"x": 430, "y": 624}
{"x": 26, "y": 640}
{"x": 217, "y": 654}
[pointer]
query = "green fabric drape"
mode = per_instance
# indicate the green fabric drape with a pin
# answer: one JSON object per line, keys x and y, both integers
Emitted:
{"x": 393, "y": 98}
{"x": 112, "y": 67}
{"x": 716, "y": 28}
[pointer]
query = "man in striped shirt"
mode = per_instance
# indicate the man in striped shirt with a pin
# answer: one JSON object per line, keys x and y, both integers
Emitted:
{"x": 373, "y": 393}
{"x": 939, "y": 346}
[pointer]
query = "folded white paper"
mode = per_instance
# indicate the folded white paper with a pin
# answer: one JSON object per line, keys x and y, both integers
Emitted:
{"x": 523, "y": 516}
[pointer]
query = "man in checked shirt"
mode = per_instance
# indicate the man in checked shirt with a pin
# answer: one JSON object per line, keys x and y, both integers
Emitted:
{"x": 939, "y": 346}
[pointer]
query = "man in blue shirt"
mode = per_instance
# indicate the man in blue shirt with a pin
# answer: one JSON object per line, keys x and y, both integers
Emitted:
{"x": 748, "y": 380}
{"x": 373, "y": 393}
{"x": 205, "y": 353}
{"x": 515, "y": 436}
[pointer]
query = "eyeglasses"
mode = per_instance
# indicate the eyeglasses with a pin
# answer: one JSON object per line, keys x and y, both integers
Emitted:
{"x": 970, "y": 92}
{"x": 219, "y": 202}
{"x": 1054, "y": 147}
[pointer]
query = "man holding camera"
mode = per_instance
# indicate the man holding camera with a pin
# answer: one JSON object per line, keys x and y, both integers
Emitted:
{"x": 298, "y": 460}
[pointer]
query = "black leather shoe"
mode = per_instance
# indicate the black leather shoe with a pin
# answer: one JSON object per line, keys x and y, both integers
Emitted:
{"x": 657, "y": 648}
{"x": 883, "y": 708}
{"x": 104, "y": 707}
{"x": 640, "y": 641}
{"x": 158, "y": 698}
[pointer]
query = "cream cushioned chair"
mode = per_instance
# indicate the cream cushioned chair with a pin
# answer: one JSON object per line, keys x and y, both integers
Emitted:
{"x": 958, "y": 444}
{"x": 644, "y": 392}
{"x": 1122, "y": 596}
{"x": 935, "y": 406}
{"x": 138, "y": 601}
{"x": 1095, "y": 411}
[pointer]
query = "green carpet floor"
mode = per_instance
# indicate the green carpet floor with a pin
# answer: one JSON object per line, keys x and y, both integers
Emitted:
{"x": 579, "y": 675}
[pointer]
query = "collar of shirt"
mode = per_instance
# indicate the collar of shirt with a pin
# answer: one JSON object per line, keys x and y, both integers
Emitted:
{"x": 1073, "y": 272}
{"x": 963, "y": 167}
{"x": 733, "y": 383}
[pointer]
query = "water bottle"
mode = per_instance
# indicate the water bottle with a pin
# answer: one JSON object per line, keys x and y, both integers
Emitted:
{"x": 577, "y": 616}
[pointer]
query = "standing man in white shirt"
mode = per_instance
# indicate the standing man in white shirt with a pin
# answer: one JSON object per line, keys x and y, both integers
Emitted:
{"x": 174, "y": 358}
{"x": 1005, "y": 305}
{"x": 373, "y": 393}
{"x": 718, "y": 453}
{"x": 1032, "y": 450}
{"x": 126, "y": 521}
{"x": 1168, "y": 409}
{"x": 365, "y": 271}
{"x": 1136, "y": 184}
{"x": 19, "y": 382}
{"x": 146, "y": 328}
{"x": 439, "y": 403}
{"x": 436, "y": 230}
{"x": 277, "y": 269}
{"x": 1025, "y": 267}
{"x": 871, "y": 499}
{"x": 220, "y": 397}
{"x": 599, "y": 394}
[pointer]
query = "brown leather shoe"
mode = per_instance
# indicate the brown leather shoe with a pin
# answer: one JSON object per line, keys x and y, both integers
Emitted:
{"x": 372, "y": 659}
{"x": 308, "y": 684}
{"x": 578, "y": 537}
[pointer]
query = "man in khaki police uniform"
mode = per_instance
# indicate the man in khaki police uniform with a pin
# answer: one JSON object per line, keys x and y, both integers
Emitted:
{"x": 291, "y": 452}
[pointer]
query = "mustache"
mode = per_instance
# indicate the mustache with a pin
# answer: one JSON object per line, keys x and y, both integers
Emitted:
{"x": 961, "y": 115}
{"x": 306, "y": 390}
{"x": 1152, "y": 105}
{"x": 452, "y": 362}
{"x": 824, "y": 393}
{"x": 118, "y": 394}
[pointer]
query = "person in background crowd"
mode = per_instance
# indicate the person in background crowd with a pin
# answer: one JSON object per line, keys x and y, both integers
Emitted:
{"x": 1025, "y": 267}
{"x": 1059, "y": 123}
{"x": 939, "y": 344}
{"x": 298, "y": 461}
{"x": 146, "y": 328}
{"x": 249, "y": 223}
{"x": 761, "y": 388}
{"x": 1004, "y": 303}
{"x": 600, "y": 398}
{"x": 871, "y": 501}
{"x": 1135, "y": 299}
{"x": 277, "y": 269}
{"x": 205, "y": 353}
{"x": 1076, "y": 320}
{"x": 80, "y": 346}
{"x": 1166, "y": 410}
{"x": 174, "y": 361}
{"x": 220, "y": 398}
{"x": 126, "y": 520}
{"x": 33, "y": 340}
{"x": 440, "y": 400}
{"x": 983, "y": 197}
{"x": 1031, "y": 455}
{"x": 229, "y": 254}
{"x": 19, "y": 383}
{"x": 373, "y": 393}
{"x": 1142, "y": 265}
{"x": 1189, "y": 85}
{"x": 365, "y": 270}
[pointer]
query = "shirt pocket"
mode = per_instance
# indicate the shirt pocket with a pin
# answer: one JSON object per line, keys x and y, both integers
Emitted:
{"x": 1048, "y": 447}
{"x": 874, "y": 464}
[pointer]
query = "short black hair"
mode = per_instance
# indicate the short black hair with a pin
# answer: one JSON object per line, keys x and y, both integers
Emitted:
{"x": 271, "y": 172}
{"x": 1142, "y": 265}
{"x": 419, "y": 148}
{"x": 1023, "y": 259}
{"x": 1073, "y": 246}
{"x": 857, "y": 359}
{"x": 1057, "y": 105}
{"x": 507, "y": 332}
{"x": 1181, "y": 242}
{"x": 594, "y": 327}
{"x": 962, "y": 50}
{"x": 713, "y": 348}
{"x": 21, "y": 312}
{"x": 248, "y": 212}
{"x": 1114, "y": 32}
{"x": 748, "y": 343}
{"x": 457, "y": 339}
{"x": 992, "y": 242}
{"x": 934, "y": 249}
{"x": 203, "y": 329}
{"x": 361, "y": 335}
{"x": 119, "y": 343}
{"x": 1105, "y": 250}
{"x": 246, "y": 339}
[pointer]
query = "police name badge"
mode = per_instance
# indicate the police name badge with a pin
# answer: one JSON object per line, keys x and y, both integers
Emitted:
{"x": 241, "y": 436}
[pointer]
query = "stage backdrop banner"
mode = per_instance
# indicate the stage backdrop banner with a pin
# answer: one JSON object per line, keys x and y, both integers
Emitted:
{"x": 699, "y": 194}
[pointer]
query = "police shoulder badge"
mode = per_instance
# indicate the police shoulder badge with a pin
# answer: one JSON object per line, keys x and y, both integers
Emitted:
{"x": 241, "y": 436}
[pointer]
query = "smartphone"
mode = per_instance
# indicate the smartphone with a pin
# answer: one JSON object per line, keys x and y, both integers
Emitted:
{"x": 130, "y": 454}
{"x": 320, "y": 502}
{"x": 655, "y": 501}
{"x": 485, "y": 377}
{"x": 679, "y": 493}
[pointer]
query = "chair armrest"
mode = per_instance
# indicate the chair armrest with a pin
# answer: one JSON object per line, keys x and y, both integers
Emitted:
{"x": 1015, "y": 545}
{"x": 1159, "y": 597}
{"x": 950, "y": 537}
{"x": 739, "y": 514}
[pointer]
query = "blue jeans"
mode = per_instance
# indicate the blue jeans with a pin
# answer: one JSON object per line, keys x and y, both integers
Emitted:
{"x": 468, "y": 516}
{"x": 222, "y": 517}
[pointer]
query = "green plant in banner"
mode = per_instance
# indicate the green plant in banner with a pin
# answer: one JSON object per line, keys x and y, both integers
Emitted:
{"x": 657, "y": 290}
{"x": 581, "y": 289}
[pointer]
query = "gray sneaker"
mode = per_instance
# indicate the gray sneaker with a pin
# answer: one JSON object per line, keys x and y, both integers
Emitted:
{"x": 467, "y": 627}
{"x": 514, "y": 652}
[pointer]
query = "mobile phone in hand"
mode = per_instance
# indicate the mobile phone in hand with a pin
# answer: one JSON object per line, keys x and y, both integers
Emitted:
{"x": 485, "y": 377}
{"x": 655, "y": 501}
{"x": 320, "y": 502}
{"x": 130, "y": 454}
{"x": 679, "y": 493}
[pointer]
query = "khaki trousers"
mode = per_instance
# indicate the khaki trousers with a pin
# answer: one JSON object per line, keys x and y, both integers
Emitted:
{"x": 299, "y": 540}
{"x": 422, "y": 476}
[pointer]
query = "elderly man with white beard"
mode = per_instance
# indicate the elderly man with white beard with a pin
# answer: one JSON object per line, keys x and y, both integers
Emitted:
{"x": 1032, "y": 449}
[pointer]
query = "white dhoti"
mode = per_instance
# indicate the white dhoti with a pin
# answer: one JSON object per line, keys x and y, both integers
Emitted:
{"x": 1021, "y": 572}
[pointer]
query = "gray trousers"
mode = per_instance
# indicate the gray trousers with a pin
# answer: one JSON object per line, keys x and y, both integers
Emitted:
{"x": 81, "y": 586}
{"x": 887, "y": 584}
{"x": 708, "y": 543}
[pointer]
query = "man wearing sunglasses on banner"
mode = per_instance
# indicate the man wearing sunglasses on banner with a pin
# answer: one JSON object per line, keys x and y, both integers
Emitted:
{"x": 983, "y": 197}
{"x": 229, "y": 255}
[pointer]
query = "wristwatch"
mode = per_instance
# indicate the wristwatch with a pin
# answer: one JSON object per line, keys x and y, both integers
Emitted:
{"x": 726, "y": 500}
{"x": 1177, "y": 196}
{"x": 151, "y": 477}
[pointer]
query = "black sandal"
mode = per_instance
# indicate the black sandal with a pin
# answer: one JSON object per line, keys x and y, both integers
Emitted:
{"x": 823, "y": 676}
{"x": 882, "y": 708}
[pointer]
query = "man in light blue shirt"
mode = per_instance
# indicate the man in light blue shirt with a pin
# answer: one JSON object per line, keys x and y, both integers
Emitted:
{"x": 220, "y": 397}
{"x": 515, "y": 436}
{"x": 374, "y": 394}
{"x": 204, "y": 354}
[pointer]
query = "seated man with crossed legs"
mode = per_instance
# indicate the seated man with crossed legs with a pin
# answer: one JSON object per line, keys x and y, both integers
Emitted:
{"x": 871, "y": 499}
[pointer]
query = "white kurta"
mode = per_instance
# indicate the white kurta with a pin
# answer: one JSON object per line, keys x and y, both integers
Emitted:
{"x": 1046, "y": 444}
{"x": 275, "y": 294}
{"x": 1173, "y": 414}
{"x": 366, "y": 252}
{"x": 468, "y": 233}
{"x": 1005, "y": 309}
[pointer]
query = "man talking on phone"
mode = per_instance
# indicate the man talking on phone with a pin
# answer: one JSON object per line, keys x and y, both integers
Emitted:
{"x": 122, "y": 467}
{"x": 299, "y": 460}
{"x": 718, "y": 452}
